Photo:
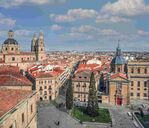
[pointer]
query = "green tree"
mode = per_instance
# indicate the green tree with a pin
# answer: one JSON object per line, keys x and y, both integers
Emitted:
{"x": 92, "y": 108}
{"x": 69, "y": 95}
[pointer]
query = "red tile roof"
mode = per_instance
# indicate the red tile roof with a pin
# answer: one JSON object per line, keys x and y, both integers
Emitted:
{"x": 91, "y": 67}
{"x": 10, "y": 98}
{"x": 119, "y": 75}
{"x": 37, "y": 71}
{"x": 11, "y": 76}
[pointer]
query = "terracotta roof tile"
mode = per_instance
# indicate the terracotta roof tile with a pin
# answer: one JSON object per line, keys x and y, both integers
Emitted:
{"x": 119, "y": 75}
{"x": 10, "y": 98}
{"x": 11, "y": 76}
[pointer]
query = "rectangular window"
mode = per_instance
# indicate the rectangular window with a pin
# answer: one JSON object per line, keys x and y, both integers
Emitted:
{"x": 145, "y": 94}
{"x": 13, "y": 58}
{"x": 145, "y": 70}
{"x": 138, "y": 83}
{"x": 138, "y": 70}
{"x": 132, "y": 83}
{"x": 132, "y": 70}
{"x": 145, "y": 83}
{"x": 138, "y": 94}
{"x": 22, "y": 117}
{"x": 131, "y": 94}
{"x": 119, "y": 69}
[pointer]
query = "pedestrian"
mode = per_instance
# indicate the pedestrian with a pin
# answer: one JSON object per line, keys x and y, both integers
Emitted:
{"x": 58, "y": 123}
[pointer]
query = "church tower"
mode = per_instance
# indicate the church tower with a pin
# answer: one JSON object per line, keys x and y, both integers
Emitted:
{"x": 33, "y": 43}
{"x": 40, "y": 49}
{"x": 118, "y": 63}
{"x": 118, "y": 82}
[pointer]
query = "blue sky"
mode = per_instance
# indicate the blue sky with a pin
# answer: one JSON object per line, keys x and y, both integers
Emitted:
{"x": 78, "y": 24}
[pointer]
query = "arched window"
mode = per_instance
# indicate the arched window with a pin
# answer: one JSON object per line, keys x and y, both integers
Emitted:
{"x": 119, "y": 69}
{"x": 40, "y": 88}
{"x": 11, "y": 49}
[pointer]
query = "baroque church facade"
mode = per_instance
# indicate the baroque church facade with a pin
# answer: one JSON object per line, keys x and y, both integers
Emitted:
{"x": 11, "y": 53}
{"x": 127, "y": 81}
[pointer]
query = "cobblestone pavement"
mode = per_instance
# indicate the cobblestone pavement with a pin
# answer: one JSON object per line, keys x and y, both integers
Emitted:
{"x": 48, "y": 115}
{"x": 120, "y": 118}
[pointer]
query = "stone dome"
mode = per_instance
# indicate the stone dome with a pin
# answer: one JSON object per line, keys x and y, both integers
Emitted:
{"x": 118, "y": 59}
{"x": 10, "y": 41}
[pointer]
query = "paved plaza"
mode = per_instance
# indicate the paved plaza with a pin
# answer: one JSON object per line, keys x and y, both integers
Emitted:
{"x": 49, "y": 115}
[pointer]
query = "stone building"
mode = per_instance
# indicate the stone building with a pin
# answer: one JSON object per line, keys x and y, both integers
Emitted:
{"x": 48, "y": 79}
{"x": 138, "y": 72}
{"x": 80, "y": 84}
{"x": 17, "y": 109}
{"x": 11, "y": 53}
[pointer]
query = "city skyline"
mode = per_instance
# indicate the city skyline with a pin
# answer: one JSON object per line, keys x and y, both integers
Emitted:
{"x": 79, "y": 25}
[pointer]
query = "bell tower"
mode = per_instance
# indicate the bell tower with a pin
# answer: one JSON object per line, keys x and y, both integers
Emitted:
{"x": 33, "y": 43}
{"x": 40, "y": 49}
{"x": 118, "y": 63}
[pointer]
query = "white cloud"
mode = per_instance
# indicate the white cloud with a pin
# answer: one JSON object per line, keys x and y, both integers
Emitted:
{"x": 6, "y": 21}
{"x": 84, "y": 29}
{"x": 23, "y": 32}
{"x": 92, "y": 30}
{"x": 142, "y": 33}
{"x": 62, "y": 18}
{"x": 74, "y": 14}
{"x": 126, "y": 7}
{"x": 56, "y": 27}
{"x": 108, "y": 32}
{"x": 14, "y": 3}
{"x": 111, "y": 19}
